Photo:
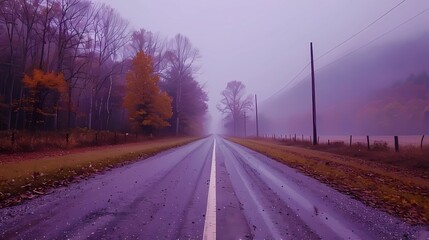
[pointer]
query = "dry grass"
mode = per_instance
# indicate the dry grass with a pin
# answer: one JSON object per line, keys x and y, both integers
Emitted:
{"x": 410, "y": 158}
{"x": 377, "y": 184}
{"x": 26, "y": 178}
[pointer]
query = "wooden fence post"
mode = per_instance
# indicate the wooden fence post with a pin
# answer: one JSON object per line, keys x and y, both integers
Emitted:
{"x": 367, "y": 141}
{"x": 351, "y": 139}
{"x": 396, "y": 144}
{"x": 421, "y": 142}
{"x": 67, "y": 138}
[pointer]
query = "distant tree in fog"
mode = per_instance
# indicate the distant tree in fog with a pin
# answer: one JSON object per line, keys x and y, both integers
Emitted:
{"x": 234, "y": 103}
{"x": 193, "y": 103}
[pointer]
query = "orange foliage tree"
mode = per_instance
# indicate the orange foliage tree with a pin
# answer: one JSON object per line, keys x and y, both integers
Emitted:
{"x": 40, "y": 86}
{"x": 148, "y": 107}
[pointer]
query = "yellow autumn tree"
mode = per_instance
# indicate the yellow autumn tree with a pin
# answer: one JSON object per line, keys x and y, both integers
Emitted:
{"x": 40, "y": 86}
{"x": 148, "y": 107}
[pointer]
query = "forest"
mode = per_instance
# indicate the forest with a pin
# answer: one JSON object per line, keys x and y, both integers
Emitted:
{"x": 67, "y": 64}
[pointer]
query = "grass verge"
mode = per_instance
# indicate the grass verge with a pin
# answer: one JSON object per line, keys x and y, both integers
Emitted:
{"x": 410, "y": 158}
{"x": 378, "y": 185}
{"x": 28, "y": 178}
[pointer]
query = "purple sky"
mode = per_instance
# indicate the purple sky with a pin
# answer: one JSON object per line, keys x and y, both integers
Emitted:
{"x": 265, "y": 44}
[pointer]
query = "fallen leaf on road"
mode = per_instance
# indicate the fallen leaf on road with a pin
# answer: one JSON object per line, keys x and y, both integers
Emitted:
{"x": 38, "y": 192}
{"x": 27, "y": 196}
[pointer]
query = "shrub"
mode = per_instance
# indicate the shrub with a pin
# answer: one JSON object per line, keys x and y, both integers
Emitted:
{"x": 380, "y": 146}
{"x": 25, "y": 141}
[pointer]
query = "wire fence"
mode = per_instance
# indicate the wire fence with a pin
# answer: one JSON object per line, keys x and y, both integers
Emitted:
{"x": 394, "y": 142}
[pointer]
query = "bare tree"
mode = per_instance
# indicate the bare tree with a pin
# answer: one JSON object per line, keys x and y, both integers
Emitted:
{"x": 89, "y": 44}
{"x": 181, "y": 58}
{"x": 109, "y": 36}
{"x": 234, "y": 103}
{"x": 9, "y": 20}
{"x": 150, "y": 44}
{"x": 28, "y": 17}
{"x": 73, "y": 21}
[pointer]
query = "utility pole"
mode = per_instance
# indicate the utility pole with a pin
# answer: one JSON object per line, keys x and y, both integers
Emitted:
{"x": 257, "y": 123}
{"x": 313, "y": 94}
{"x": 244, "y": 123}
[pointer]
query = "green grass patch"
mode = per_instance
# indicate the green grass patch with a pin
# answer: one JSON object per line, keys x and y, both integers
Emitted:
{"x": 390, "y": 188}
{"x": 28, "y": 178}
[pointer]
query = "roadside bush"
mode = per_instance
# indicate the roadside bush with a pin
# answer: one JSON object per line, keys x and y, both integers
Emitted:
{"x": 338, "y": 144}
{"x": 380, "y": 146}
{"x": 26, "y": 141}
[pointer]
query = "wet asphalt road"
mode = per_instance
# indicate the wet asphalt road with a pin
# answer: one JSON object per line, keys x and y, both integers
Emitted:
{"x": 166, "y": 197}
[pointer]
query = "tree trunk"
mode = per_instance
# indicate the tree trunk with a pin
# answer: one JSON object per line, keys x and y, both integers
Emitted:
{"x": 90, "y": 110}
{"x": 56, "y": 117}
{"x": 178, "y": 99}
{"x": 35, "y": 115}
{"x": 98, "y": 116}
{"x": 177, "y": 124}
{"x": 234, "y": 119}
{"x": 21, "y": 96}
{"x": 11, "y": 74}
{"x": 107, "y": 102}
{"x": 69, "y": 108}
{"x": 12, "y": 88}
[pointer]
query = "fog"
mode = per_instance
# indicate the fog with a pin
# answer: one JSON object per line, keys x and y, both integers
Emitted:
{"x": 266, "y": 44}
{"x": 372, "y": 92}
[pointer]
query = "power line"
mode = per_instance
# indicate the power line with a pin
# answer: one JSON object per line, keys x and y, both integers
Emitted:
{"x": 375, "y": 39}
{"x": 352, "y": 52}
{"x": 288, "y": 83}
{"x": 362, "y": 30}
{"x": 332, "y": 49}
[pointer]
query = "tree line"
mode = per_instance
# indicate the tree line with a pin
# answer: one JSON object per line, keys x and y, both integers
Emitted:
{"x": 69, "y": 63}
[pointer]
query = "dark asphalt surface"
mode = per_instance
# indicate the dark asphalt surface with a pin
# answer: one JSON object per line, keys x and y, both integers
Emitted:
{"x": 165, "y": 197}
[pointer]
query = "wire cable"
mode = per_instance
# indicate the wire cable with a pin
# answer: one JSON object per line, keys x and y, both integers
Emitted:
{"x": 360, "y": 31}
{"x": 375, "y": 39}
{"x": 353, "y": 51}
{"x": 287, "y": 84}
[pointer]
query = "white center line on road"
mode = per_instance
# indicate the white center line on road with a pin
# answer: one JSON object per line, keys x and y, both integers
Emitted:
{"x": 210, "y": 222}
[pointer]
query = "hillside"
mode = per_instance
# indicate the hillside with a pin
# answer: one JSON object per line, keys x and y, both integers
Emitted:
{"x": 382, "y": 90}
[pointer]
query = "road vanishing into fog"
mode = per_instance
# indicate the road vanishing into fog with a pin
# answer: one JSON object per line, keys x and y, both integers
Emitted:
{"x": 208, "y": 189}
